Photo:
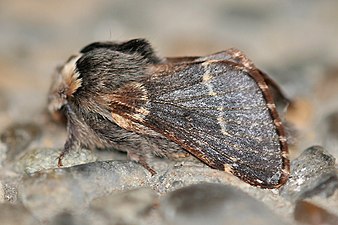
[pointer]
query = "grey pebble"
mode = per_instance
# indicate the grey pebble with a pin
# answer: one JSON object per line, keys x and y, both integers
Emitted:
{"x": 312, "y": 173}
{"x": 215, "y": 204}
{"x": 51, "y": 192}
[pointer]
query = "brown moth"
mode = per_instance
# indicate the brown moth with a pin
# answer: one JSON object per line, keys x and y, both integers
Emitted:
{"x": 219, "y": 108}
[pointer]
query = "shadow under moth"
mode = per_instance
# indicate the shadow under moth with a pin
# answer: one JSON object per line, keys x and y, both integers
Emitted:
{"x": 220, "y": 108}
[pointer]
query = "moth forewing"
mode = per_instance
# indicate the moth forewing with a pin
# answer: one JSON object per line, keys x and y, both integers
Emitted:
{"x": 224, "y": 115}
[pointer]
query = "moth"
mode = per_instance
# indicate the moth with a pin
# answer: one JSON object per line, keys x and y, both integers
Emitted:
{"x": 219, "y": 108}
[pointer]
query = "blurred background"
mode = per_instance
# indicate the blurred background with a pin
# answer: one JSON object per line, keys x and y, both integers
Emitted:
{"x": 293, "y": 41}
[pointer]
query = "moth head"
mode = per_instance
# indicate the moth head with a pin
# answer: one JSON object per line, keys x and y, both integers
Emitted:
{"x": 65, "y": 81}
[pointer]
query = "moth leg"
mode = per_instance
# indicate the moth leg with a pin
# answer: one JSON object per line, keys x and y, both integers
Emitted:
{"x": 71, "y": 143}
{"x": 142, "y": 160}
{"x": 144, "y": 163}
{"x": 67, "y": 147}
{"x": 59, "y": 158}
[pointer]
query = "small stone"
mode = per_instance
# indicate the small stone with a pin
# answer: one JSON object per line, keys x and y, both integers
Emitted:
{"x": 214, "y": 204}
{"x": 46, "y": 158}
{"x": 308, "y": 213}
{"x": 312, "y": 173}
{"x": 51, "y": 192}
{"x": 13, "y": 214}
{"x": 18, "y": 137}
